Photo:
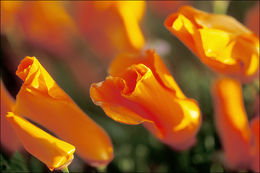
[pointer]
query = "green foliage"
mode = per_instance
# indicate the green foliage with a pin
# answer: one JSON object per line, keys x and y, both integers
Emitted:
{"x": 16, "y": 163}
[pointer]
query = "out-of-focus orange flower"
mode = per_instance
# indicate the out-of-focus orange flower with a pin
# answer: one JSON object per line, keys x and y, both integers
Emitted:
{"x": 111, "y": 27}
{"x": 231, "y": 122}
{"x": 141, "y": 90}
{"x": 9, "y": 140}
{"x": 220, "y": 41}
{"x": 55, "y": 153}
{"x": 41, "y": 23}
{"x": 41, "y": 100}
{"x": 232, "y": 125}
{"x": 252, "y": 18}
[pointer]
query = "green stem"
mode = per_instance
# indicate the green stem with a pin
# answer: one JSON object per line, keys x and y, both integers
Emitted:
{"x": 65, "y": 170}
{"x": 220, "y": 7}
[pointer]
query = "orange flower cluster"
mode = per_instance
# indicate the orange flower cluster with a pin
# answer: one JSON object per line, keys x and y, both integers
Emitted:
{"x": 141, "y": 90}
{"x": 228, "y": 47}
{"x": 240, "y": 140}
{"x": 42, "y": 101}
{"x": 220, "y": 41}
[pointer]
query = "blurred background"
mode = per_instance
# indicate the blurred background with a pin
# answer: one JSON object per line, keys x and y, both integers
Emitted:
{"x": 76, "y": 41}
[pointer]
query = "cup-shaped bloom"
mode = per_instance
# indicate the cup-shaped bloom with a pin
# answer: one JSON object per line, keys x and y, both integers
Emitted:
{"x": 53, "y": 152}
{"x": 41, "y": 100}
{"x": 141, "y": 90}
{"x": 111, "y": 27}
{"x": 240, "y": 142}
{"x": 9, "y": 140}
{"x": 220, "y": 41}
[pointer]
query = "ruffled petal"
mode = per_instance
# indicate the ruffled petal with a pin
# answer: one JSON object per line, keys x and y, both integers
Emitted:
{"x": 150, "y": 59}
{"x": 141, "y": 90}
{"x": 220, "y": 41}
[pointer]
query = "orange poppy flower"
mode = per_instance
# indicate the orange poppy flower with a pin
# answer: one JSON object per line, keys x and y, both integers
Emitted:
{"x": 141, "y": 90}
{"x": 232, "y": 124}
{"x": 41, "y": 100}
{"x": 55, "y": 153}
{"x": 111, "y": 27}
{"x": 220, "y": 41}
{"x": 9, "y": 140}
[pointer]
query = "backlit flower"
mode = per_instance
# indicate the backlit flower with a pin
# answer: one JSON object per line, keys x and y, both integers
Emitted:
{"x": 141, "y": 90}
{"x": 220, "y": 41}
{"x": 41, "y": 100}
{"x": 53, "y": 152}
{"x": 233, "y": 127}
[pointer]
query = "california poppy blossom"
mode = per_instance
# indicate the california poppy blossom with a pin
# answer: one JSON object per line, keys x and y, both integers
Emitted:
{"x": 233, "y": 127}
{"x": 41, "y": 100}
{"x": 141, "y": 90}
{"x": 55, "y": 153}
{"x": 220, "y": 41}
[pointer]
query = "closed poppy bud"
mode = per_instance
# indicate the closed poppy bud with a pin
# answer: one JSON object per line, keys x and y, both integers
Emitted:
{"x": 141, "y": 90}
{"x": 220, "y": 41}
{"x": 231, "y": 122}
{"x": 9, "y": 140}
{"x": 41, "y": 100}
{"x": 254, "y": 125}
{"x": 55, "y": 153}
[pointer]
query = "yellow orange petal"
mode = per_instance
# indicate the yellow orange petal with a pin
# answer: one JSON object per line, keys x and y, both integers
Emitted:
{"x": 231, "y": 121}
{"x": 153, "y": 61}
{"x": 40, "y": 96}
{"x": 9, "y": 139}
{"x": 131, "y": 13}
{"x": 220, "y": 41}
{"x": 140, "y": 90}
{"x": 48, "y": 149}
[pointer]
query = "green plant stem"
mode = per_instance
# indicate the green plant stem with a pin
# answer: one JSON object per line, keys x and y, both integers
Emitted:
{"x": 65, "y": 170}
